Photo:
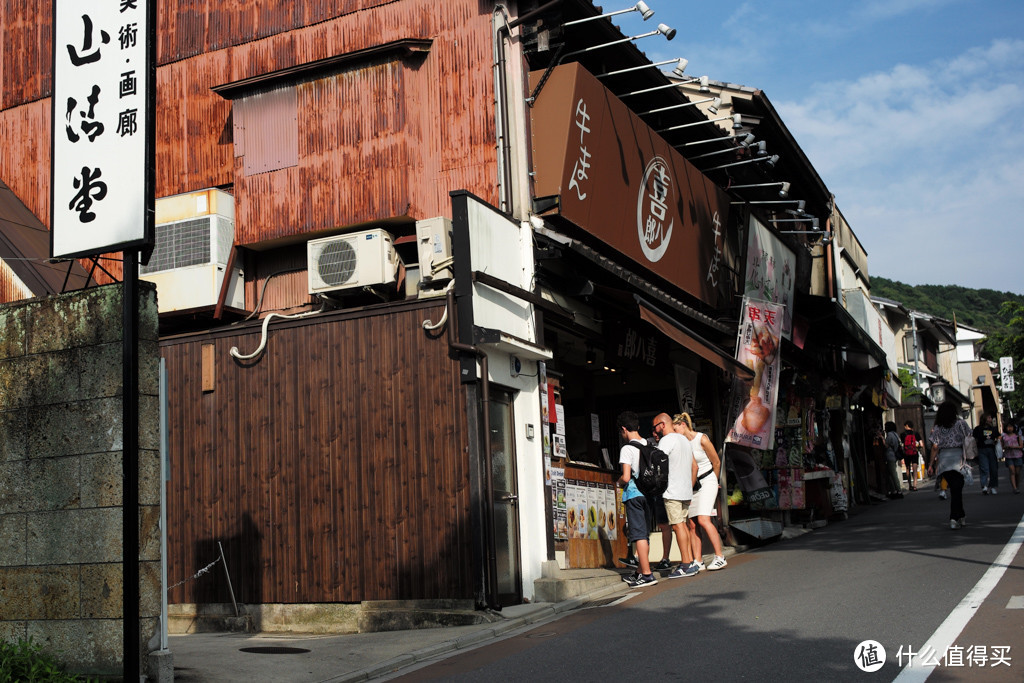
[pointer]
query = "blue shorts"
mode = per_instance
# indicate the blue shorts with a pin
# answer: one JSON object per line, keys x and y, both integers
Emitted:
{"x": 639, "y": 519}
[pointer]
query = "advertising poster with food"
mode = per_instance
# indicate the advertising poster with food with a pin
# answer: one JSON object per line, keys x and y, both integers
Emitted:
{"x": 771, "y": 271}
{"x": 610, "y": 518}
{"x": 594, "y": 501}
{"x": 577, "y": 506}
{"x": 753, "y": 402}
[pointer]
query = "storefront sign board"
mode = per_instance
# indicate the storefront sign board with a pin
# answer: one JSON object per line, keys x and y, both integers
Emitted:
{"x": 618, "y": 179}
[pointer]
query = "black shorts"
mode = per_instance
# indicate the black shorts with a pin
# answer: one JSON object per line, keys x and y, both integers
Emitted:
{"x": 638, "y": 517}
{"x": 660, "y": 515}
{"x": 910, "y": 461}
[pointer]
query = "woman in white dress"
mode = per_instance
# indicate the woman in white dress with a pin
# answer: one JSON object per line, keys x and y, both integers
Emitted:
{"x": 707, "y": 467}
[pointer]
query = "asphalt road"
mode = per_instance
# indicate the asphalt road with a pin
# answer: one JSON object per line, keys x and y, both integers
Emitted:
{"x": 794, "y": 610}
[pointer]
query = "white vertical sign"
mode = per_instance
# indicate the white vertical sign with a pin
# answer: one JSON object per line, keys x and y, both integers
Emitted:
{"x": 101, "y": 95}
{"x": 1006, "y": 374}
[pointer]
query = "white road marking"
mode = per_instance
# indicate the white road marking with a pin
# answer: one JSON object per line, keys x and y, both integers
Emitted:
{"x": 918, "y": 670}
{"x": 1015, "y": 602}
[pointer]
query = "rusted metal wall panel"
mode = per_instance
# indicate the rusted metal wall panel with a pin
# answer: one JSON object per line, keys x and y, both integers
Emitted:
{"x": 334, "y": 469}
{"x": 277, "y": 280}
{"x": 272, "y": 117}
{"x": 11, "y": 287}
{"x": 191, "y": 28}
{"x": 26, "y": 61}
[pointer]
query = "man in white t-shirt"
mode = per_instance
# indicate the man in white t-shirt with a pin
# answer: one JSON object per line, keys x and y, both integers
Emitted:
{"x": 679, "y": 492}
{"x": 639, "y": 510}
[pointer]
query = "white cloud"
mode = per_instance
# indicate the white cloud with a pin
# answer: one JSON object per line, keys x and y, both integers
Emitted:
{"x": 927, "y": 164}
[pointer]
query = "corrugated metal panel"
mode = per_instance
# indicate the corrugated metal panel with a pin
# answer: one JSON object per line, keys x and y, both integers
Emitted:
{"x": 11, "y": 286}
{"x": 303, "y": 461}
{"x": 192, "y": 28}
{"x": 429, "y": 132}
{"x": 272, "y": 117}
{"x": 26, "y": 62}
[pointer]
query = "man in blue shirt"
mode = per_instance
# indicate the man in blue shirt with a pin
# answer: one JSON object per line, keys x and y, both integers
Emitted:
{"x": 639, "y": 510}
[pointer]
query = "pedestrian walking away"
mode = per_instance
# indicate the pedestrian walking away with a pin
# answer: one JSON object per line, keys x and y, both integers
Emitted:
{"x": 1013, "y": 450}
{"x": 706, "y": 469}
{"x": 892, "y": 447}
{"x": 986, "y": 435}
{"x": 948, "y": 461}
{"x": 910, "y": 454}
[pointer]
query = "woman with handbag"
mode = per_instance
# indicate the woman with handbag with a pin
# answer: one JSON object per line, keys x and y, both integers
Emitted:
{"x": 707, "y": 466}
{"x": 948, "y": 438}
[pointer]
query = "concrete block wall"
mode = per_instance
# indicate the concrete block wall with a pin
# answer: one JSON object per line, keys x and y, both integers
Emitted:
{"x": 60, "y": 476}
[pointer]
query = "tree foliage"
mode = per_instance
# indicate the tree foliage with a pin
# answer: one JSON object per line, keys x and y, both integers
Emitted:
{"x": 1010, "y": 342}
{"x": 978, "y": 308}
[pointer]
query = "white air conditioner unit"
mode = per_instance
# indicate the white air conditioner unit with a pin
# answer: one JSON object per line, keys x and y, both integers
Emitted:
{"x": 194, "y": 236}
{"x": 434, "y": 242}
{"x": 358, "y": 259}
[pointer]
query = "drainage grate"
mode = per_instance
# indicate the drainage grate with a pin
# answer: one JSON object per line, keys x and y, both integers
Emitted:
{"x": 274, "y": 650}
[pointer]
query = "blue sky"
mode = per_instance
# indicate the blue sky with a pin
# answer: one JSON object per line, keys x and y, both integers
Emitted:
{"x": 909, "y": 109}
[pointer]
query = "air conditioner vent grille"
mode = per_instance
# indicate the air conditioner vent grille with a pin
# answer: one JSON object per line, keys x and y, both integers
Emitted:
{"x": 181, "y": 244}
{"x": 336, "y": 263}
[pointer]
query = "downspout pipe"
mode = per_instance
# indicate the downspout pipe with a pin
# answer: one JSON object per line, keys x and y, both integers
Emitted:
{"x": 491, "y": 560}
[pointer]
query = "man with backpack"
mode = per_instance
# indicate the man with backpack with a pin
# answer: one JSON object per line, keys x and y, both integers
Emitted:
{"x": 639, "y": 506}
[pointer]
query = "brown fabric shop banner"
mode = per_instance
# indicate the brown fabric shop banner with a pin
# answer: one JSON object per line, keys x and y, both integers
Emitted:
{"x": 620, "y": 181}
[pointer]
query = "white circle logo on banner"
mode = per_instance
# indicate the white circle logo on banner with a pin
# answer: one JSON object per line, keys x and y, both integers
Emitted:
{"x": 656, "y": 195}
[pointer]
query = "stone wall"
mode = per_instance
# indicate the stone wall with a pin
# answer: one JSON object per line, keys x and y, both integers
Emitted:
{"x": 60, "y": 476}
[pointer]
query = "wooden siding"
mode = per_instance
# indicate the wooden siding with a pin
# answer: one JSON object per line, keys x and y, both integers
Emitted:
{"x": 334, "y": 469}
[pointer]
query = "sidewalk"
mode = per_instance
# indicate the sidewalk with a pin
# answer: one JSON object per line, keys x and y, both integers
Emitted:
{"x": 352, "y": 657}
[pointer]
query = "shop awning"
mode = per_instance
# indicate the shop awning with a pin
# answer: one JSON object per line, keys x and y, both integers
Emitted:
{"x": 831, "y": 324}
{"x": 676, "y": 331}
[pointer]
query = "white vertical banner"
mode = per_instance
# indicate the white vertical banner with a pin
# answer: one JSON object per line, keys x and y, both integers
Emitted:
{"x": 1006, "y": 374}
{"x": 101, "y": 173}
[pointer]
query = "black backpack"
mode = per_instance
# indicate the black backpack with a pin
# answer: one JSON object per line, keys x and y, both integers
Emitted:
{"x": 652, "y": 475}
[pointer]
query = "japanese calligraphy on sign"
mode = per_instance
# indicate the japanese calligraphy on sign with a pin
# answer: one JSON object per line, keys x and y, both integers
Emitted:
{"x": 657, "y": 192}
{"x": 579, "y": 170}
{"x": 770, "y": 272}
{"x": 753, "y": 402}
{"x": 101, "y": 168}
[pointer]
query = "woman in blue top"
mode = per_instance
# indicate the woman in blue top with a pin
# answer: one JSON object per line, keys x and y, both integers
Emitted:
{"x": 947, "y": 437}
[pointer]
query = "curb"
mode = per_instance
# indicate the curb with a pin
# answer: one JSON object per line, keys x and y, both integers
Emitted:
{"x": 543, "y": 613}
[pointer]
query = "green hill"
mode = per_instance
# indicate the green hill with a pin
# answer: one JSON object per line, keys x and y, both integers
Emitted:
{"x": 978, "y": 308}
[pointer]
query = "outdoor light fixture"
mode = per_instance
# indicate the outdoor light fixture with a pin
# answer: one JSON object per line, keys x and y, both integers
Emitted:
{"x": 664, "y": 30}
{"x": 744, "y": 144}
{"x": 783, "y": 192}
{"x": 771, "y": 161}
{"x": 641, "y": 7}
{"x": 662, "y": 87}
{"x": 813, "y": 220}
{"x": 735, "y": 124}
{"x": 644, "y": 66}
{"x": 800, "y": 203}
{"x": 720, "y": 139}
{"x": 716, "y": 102}
{"x": 680, "y": 68}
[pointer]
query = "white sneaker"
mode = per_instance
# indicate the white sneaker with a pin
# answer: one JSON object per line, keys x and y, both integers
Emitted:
{"x": 717, "y": 563}
{"x": 942, "y": 495}
{"x": 992, "y": 491}
{"x": 953, "y": 524}
{"x": 699, "y": 565}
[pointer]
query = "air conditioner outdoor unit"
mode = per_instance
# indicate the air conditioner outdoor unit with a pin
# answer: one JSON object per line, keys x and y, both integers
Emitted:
{"x": 194, "y": 236}
{"x": 358, "y": 259}
{"x": 434, "y": 242}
